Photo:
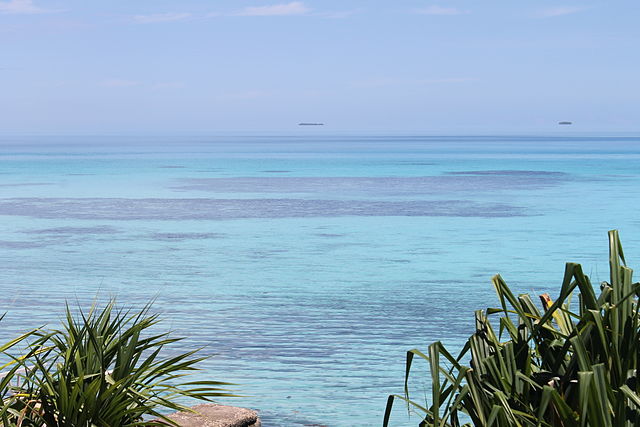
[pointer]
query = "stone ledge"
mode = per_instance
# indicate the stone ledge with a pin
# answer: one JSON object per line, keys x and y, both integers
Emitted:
{"x": 212, "y": 415}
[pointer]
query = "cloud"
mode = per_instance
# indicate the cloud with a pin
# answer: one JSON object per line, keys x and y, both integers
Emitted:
{"x": 439, "y": 10}
{"x": 20, "y": 7}
{"x": 161, "y": 17}
{"x": 560, "y": 11}
{"x": 284, "y": 9}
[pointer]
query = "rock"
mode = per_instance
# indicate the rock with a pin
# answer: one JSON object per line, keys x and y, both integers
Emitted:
{"x": 212, "y": 415}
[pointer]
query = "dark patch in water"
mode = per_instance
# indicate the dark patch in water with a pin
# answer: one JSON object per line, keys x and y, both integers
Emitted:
{"x": 220, "y": 209}
{"x": 275, "y": 171}
{"x": 330, "y": 235}
{"x": 74, "y": 230}
{"x": 417, "y": 163}
{"x": 80, "y": 174}
{"x": 510, "y": 173}
{"x": 376, "y": 186}
{"x": 186, "y": 236}
{"x": 5, "y": 244}
{"x": 172, "y": 167}
{"x": 27, "y": 184}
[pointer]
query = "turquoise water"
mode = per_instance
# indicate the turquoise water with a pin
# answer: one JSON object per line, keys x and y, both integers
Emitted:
{"x": 307, "y": 265}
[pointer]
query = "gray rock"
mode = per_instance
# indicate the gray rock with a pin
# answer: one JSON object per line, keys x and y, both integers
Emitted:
{"x": 212, "y": 415}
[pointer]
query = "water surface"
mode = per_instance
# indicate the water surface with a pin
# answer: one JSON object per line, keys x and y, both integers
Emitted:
{"x": 307, "y": 265}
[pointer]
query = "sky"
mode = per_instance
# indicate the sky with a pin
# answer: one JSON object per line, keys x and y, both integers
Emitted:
{"x": 447, "y": 66}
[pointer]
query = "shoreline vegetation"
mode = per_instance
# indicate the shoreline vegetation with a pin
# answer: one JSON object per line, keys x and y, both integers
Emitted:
{"x": 575, "y": 362}
{"x": 105, "y": 367}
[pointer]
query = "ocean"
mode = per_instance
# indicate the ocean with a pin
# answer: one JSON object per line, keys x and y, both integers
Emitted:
{"x": 307, "y": 265}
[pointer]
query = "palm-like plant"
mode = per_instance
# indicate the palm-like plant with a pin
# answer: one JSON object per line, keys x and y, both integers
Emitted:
{"x": 558, "y": 366}
{"x": 8, "y": 373}
{"x": 105, "y": 369}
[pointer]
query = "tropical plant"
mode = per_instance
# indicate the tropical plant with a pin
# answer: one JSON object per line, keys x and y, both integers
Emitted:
{"x": 8, "y": 372}
{"x": 566, "y": 364}
{"x": 105, "y": 368}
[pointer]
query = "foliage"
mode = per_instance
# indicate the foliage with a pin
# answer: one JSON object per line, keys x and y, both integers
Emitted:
{"x": 8, "y": 373}
{"x": 104, "y": 368}
{"x": 557, "y": 367}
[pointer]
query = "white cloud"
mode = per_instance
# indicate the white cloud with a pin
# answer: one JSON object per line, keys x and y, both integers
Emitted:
{"x": 161, "y": 17}
{"x": 20, "y": 7}
{"x": 439, "y": 10}
{"x": 284, "y": 9}
{"x": 560, "y": 11}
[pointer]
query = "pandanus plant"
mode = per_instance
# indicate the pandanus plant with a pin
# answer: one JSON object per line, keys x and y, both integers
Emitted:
{"x": 8, "y": 373}
{"x": 562, "y": 363}
{"x": 105, "y": 368}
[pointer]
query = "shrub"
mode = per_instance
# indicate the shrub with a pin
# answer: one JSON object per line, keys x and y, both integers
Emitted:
{"x": 106, "y": 368}
{"x": 560, "y": 365}
{"x": 8, "y": 373}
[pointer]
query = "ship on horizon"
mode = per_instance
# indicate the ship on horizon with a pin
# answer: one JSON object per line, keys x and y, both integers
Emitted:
{"x": 565, "y": 123}
{"x": 310, "y": 124}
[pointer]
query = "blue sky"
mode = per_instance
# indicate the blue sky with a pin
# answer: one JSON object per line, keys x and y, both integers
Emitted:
{"x": 453, "y": 66}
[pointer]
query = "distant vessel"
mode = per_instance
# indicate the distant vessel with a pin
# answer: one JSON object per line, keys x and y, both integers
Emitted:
{"x": 310, "y": 124}
{"x": 565, "y": 123}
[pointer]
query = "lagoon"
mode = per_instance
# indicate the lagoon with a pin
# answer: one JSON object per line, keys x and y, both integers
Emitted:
{"x": 307, "y": 264}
